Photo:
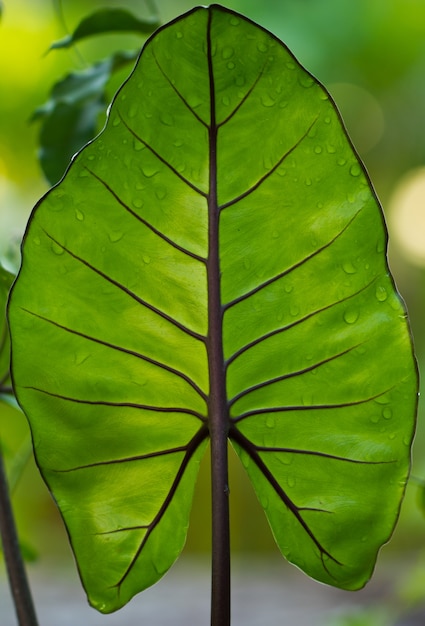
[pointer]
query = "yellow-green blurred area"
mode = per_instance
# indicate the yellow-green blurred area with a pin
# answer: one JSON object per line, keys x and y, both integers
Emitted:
{"x": 370, "y": 54}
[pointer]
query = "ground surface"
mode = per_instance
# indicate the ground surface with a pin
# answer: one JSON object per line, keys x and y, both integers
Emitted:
{"x": 264, "y": 593}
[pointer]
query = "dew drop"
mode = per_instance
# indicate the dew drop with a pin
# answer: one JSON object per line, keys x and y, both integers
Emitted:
{"x": 83, "y": 174}
{"x": 289, "y": 288}
{"x": 262, "y": 47}
{"x": 230, "y": 65}
{"x": 270, "y": 421}
{"x": 245, "y": 459}
{"x": 226, "y": 100}
{"x": 327, "y": 120}
{"x": 167, "y": 119}
{"x": 342, "y": 161}
{"x": 138, "y": 146}
{"x": 294, "y": 310}
{"x": 306, "y": 81}
{"x": 79, "y": 215}
{"x": 115, "y": 236}
{"x": 240, "y": 81}
{"x": 275, "y": 234}
{"x": 267, "y": 101}
{"x": 392, "y": 436}
{"x": 146, "y": 259}
{"x": 56, "y": 248}
{"x": 179, "y": 35}
{"x": 160, "y": 194}
{"x": 351, "y": 316}
{"x": 283, "y": 104}
{"x": 381, "y": 293}
{"x": 374, "y": 419}
{"x": 387, "y": 413}
{"x": 264, "y": 501}
{"x": 308, "y": 182}
{"x": 178, "y": 143}
{"x": 132, "y": 112}
{"x": 330, "y": 149}
{"x": 149, "y": 170}
{"x": 319, "y": 205}
{"x": 227, "y": 53}
{"x": 234, "y": 21}
{"x": 116, "y": 122}
{"x": 380, "y": 246}
{"x": 36, "y": 241}
{"x": 355, "y": 170}
{"x": 349, "y": 268}
{"x": 290, "y": 65}
{"x": 291, "y": 481}
{"x": 286, "y": 459}
{"x": 138, "y": 203}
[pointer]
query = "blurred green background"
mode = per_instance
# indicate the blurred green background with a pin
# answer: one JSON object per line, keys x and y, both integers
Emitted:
{"x": 370, "y": 54}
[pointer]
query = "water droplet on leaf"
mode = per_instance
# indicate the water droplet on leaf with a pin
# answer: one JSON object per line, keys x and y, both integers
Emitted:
{"x": 349, "y": 268}
{"x": 79, "y": 215}
{"x": 355, "y": 169}
{"x": 381, "y": 293}
{"x": 267, "y": 101}
{"x": 56, "y": 248}
{"x": 227, "y": 52}
{"x": 270, "y": 421}
{"x": 351, "y": 316}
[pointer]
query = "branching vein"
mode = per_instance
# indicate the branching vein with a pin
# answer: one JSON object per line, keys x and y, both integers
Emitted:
{"x": 292, "y": 268}
{"x": 270, "y": 172}
{"x": 277, "y": 331}
{"x": 145, "y": 222}
{"x": 133, "y": 353}
{"x": 131, "y": 405}
{"x": 162, "y": 160}
{"x": 127, "y": 291}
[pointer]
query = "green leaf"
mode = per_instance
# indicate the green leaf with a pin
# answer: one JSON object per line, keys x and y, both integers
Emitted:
{"x": 106, "y": 21}
{"x": 70, "y": 118}
{"x": 219, "y": 244}
{"x": 6, "y": 279}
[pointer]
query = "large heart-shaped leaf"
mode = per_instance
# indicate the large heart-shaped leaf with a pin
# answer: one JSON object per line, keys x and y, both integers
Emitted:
{"x": 215, "y": 259}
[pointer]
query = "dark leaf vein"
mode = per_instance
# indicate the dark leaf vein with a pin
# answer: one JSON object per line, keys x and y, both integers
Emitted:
{"x": 145, "y": 222}
{"x": 131, "y": 405}
{"x": 127, "y": 291}
{"x": 244, "y": 99}
{"x": 190, "y": 450}
{"x": 162, "y": 160}
{"x": 307, "y": 407}
{"x": 278, "y": 379}
{"x": 320, "y": 454}
{"x": 277, "y": 331}
{"x": 270, "y": 172}
{"x": 137, "y": 355}
{"x": 250, "y": 449}
{"x": 177, "y": 92}
{"x": 292, "y": 268}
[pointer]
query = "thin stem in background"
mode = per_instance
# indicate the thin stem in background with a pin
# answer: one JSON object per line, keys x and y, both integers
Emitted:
{"x": 18, "y": 581}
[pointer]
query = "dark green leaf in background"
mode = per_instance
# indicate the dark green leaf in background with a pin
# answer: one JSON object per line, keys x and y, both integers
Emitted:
{"x": 103, "y": 21}
{"x": 223, "y": 165}
{"x": 70, "y": 118}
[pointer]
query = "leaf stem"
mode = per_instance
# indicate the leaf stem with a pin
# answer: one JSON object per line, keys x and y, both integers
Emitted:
{"x": 217, "y": 404}
{"x": 18, "y": 581}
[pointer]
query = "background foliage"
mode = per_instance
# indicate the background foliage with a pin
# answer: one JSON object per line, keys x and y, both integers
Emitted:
{"x": 371, "y": 57}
